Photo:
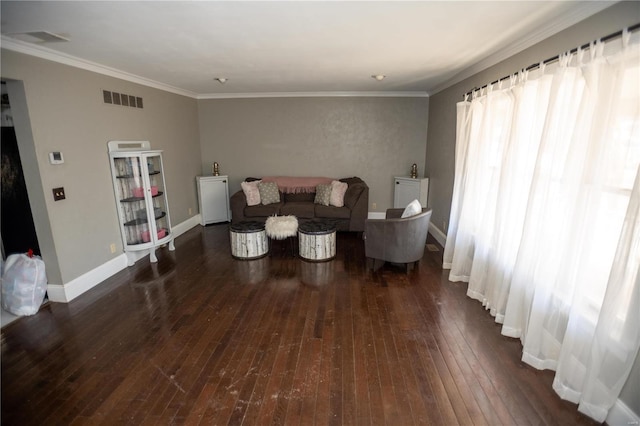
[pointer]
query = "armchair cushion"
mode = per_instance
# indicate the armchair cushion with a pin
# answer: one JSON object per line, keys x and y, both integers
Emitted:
{"x": 412, "y": 209}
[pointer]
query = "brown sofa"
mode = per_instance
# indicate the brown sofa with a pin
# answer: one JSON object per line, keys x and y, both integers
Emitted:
{"x": 351, "y": 217}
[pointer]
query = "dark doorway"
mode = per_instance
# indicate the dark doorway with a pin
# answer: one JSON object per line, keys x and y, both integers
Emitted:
{"x": 18, "y": 230}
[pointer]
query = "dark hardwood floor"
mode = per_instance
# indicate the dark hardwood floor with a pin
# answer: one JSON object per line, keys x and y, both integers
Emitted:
{"x": 200, "y": 338}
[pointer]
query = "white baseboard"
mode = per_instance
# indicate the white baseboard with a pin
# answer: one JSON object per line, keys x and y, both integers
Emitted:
{"x": 74, "y": 288}
{"x": 440, "y": 236}
{"x": 376, "y": 215}
{"x": 183, "y": 227}
{"x": 85, "y": 282}
{"x": 621, "y": 415}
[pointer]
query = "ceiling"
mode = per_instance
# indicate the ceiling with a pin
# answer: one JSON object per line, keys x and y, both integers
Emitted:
{"x": 274, "y": 47}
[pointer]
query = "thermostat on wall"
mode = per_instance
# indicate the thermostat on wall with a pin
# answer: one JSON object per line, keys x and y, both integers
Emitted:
{"x": 56, "y": 158}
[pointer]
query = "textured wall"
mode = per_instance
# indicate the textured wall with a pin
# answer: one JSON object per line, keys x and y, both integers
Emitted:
{"x": 373, "y": 138}
{"x": 67, "y": 114}
{"x": 442, "y": 120}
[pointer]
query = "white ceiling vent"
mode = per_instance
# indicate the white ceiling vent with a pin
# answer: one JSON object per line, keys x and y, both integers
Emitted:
{"x": 38, "y": 37}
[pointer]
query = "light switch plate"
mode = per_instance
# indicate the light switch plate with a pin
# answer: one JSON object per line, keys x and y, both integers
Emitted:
{"x": 58, "y": 194}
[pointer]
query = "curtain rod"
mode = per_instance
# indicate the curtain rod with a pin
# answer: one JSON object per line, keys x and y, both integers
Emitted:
{"x": 555, "y": 58}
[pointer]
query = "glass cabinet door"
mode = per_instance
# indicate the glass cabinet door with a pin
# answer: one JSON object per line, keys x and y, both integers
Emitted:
{"x": 158, "y": 199}
{"x": 142, "y": 204}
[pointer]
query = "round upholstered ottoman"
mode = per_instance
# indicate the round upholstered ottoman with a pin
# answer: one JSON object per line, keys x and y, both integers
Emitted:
{"x": 317, "y": 241}
{"x": 248, "y": 240}
{"x": 281, "y": 228}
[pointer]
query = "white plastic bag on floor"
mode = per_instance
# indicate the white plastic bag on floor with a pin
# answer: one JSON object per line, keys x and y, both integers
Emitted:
{"x": 24, "y": 284}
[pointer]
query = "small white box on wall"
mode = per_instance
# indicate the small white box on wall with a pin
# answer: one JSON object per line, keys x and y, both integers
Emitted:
{"x": 56, "y": 157}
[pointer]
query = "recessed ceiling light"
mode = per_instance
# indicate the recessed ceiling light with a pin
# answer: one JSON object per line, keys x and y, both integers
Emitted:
{"x": 378, "y": 77}
{"x": 222, "y": 80}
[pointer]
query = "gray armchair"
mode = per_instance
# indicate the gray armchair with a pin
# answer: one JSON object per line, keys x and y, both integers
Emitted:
{"x": 395, "y": 239}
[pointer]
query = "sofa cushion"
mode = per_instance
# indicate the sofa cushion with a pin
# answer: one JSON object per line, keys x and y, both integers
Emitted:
{"x": 323, "y": 194}
{"x": 261, "y": 210}
{"x": 250, "y": 190}
{"x": 299, "y": 209}
{"x": 269, "y": 193}
{"x": 300, "y": 196}
{"x": 352, "y": 195}
{"x": 332, "y": 212}
{"x": 338, "y": 189}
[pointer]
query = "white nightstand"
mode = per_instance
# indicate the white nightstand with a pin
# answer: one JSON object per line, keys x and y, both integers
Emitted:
{"x": 213, "y": 197}
{"x": 407, "y": 189}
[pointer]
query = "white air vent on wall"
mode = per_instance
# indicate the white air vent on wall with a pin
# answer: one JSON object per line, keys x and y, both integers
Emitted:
{"x": 116, "y": 98}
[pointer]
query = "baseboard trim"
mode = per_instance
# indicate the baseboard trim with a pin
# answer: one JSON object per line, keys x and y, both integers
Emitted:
{"x": 183, "y": 227}
{"x": 74, "y": 288}
{"x": 376, "y": 215}
{"x": 620, "y": 414}
{"x": 438, "y": 234}
{"x": 85, "y": 282}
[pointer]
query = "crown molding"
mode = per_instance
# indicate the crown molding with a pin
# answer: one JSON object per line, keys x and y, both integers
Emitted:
{"x": 55, "y": 56}
{"x": 563, "y": 22}
{"x": 313, "y": 95}
{"x": 62, "y": 58}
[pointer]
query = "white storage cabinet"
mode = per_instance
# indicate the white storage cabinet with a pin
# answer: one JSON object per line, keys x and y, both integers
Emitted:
{"x": 408, "y": 189}
{"x": 141, "y": 199}
{"x": 213, "y": 198}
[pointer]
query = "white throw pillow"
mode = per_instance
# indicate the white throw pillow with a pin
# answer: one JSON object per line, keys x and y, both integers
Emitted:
{"x": 338, "y": 189}
{"x": 250, "y": 190}
{"x": 412, "y": 209}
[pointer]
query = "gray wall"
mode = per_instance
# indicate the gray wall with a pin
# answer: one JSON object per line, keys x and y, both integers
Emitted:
{"x": 66, "y": 113}
{"x": 442, "y": 120}
{"x": 373, "y": 138}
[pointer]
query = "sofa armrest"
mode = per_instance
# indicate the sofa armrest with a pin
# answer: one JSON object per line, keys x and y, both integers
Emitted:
{"x": 360, "y": 210}
{"x": 238, "y": 202}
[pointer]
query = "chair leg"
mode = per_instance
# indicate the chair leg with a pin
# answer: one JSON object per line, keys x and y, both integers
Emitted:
{"x": 377, "y": 264}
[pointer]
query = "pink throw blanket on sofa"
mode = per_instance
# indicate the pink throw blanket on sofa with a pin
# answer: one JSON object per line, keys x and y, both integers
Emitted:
{"x": 295, "y": 184}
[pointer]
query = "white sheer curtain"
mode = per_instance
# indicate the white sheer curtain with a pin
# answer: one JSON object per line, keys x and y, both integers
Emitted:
{"x": 545, "y": 221}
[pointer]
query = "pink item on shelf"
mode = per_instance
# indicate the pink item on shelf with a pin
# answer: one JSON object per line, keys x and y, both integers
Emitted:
{"x": 146, "y": 235}
{"x": 139, "y": 192}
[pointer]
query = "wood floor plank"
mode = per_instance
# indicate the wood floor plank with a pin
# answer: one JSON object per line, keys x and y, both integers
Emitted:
{"x": 322, "y": 413}
{"x": 202, "y": 338}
